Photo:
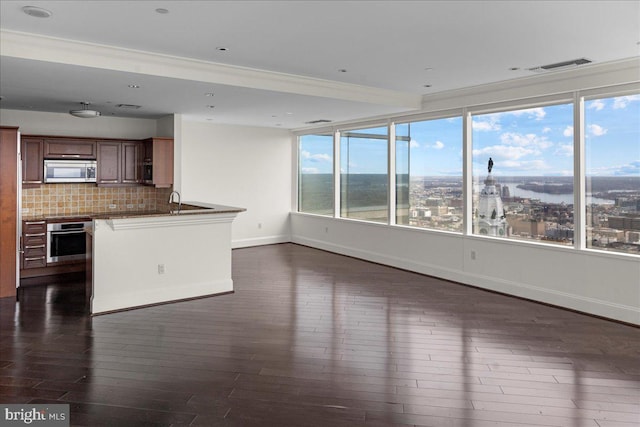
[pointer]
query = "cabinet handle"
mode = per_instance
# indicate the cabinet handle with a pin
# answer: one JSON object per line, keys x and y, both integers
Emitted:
{"x": 34, "y": 247}
{"x": 35, "y": 235}
{"x": 70, "y": 155}
{"x": 33, "y": 259}
{"x": 34, "y": 222}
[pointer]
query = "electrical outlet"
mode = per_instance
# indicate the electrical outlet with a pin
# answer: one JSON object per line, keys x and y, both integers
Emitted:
{"x": 473, "y": 255}
{"x": 112, "y": 206}
{"x": 259, "y": 225}
{"x": 326, "y": 229}
{"x": 160, "y": 268}
{"x": 129, "y": 206}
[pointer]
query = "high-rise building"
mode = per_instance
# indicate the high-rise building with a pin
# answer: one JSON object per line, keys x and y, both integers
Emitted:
{"x": 490, "y": 218}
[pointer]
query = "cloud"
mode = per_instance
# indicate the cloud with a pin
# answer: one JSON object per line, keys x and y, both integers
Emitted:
{"x": 596, "y": 105}
{"x": 537, "y": 112}
{"x": 489, "y": 122}
{"x": 564, "y": 150}
{"x": 525, "y": 140}
{"x": 546, "y": 130}
{"x": 629, "y": 169}
{"x": 438, "y": 145}
{"x": 596, "y": 130}
{"x": 622, "y": 101}
{"x": 316, "y": 157}
{"x": 525, "y": 165}
{"x": 414, "y": 144}
{"x": 309, "y": 170}
{"x": 509, "y": 152}
{"x": 568, "y": 131}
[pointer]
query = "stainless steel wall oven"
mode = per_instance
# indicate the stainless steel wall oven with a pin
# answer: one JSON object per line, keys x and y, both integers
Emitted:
{"x": 66, "y": 241}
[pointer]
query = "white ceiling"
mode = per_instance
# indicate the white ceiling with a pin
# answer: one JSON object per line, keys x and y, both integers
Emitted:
{"x": 285, "y": 56}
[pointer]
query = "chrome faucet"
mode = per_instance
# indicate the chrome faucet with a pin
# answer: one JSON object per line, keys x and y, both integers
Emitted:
{"x": 171, "y": 200}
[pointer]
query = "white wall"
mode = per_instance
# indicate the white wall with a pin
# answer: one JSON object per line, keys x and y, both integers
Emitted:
{"x": 248, "y": 167}
{"x": 41, "y": 123}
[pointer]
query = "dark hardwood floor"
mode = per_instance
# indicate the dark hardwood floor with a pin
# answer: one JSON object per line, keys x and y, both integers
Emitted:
{"x": 311, "y": 338}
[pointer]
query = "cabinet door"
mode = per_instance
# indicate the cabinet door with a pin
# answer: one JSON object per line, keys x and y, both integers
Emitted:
{"x": 131, "y": 162}
{"x": 109, "y": 171}
{"x": 160, "y": 151}
{"x": 32, "y": 161}
{"x": 69, "y": 149}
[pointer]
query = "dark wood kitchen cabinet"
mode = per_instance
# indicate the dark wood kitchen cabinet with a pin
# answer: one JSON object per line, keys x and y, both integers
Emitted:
{"x": 119, "y": 162}
{"x": 158, "y": 154}
{"x": 64, "y": 148}
{"x": 31, "y": 150}
{"x": 34, "y": 244}
{"x": 8, "y": 210}
{"x": 131, "y": 162}
{"x": 109, "y": 171}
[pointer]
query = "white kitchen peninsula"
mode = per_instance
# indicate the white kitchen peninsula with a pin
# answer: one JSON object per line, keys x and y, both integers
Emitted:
{"x": 151, "y": 258}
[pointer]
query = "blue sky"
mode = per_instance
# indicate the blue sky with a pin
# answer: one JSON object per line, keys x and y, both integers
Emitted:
{"x": 535, "y": 141}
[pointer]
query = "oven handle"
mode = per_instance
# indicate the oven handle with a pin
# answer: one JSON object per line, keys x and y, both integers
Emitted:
{"x": 68, "y": 232}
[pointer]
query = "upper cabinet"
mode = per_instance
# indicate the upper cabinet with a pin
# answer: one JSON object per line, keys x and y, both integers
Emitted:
{"x": 65, "y": 148}
{"x": 158, "y": 162}
{"x": 119, "y": 162}
{"x": 31, "y": 150}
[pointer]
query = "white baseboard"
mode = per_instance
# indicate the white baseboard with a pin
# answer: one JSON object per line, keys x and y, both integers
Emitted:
{"x": 260, "y": 241}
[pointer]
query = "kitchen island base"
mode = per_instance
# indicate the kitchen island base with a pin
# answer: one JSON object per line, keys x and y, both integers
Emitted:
{"x": 148, "y": 260}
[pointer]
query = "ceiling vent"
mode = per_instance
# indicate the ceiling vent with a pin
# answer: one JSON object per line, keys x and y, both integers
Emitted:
{"x": 128, "y": 106}
{"x": 561, "y": 65}
{"x": 315, "y": 122}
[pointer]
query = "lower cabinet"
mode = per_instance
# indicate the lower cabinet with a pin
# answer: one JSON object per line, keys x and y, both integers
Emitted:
{"x": 34, "y": 244}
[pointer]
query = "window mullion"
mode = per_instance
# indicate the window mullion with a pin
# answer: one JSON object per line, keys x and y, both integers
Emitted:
{"x": 579, "y": 199}
{"x": 391, "y": 198}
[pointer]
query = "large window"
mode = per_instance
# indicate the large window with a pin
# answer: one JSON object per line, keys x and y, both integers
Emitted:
{"x": 364, "y": 174}
{"x": 523, "y": 174}
{"x": 612, "y": 172}
{"x": 429, "y": 174}
{"x": 315, "y": 179}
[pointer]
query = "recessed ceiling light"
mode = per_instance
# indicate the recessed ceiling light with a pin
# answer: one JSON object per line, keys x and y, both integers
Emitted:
{"x": 222, "y": 49}
{"x": 37, "y": 12}
{"x": 162, "y": 11}
{"x": 426, "y": 85}
{"x": 428, "y": 69}
{"x": 211, "y": 106}
{"x": 514, "y": 68}
{"x": 209, "y": 94}
{"x": 134, "y": 86}
{"x": 342, "y": 70}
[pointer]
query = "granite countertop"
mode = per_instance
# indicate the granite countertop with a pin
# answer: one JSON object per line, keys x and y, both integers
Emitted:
{"x": 193, "y": 208}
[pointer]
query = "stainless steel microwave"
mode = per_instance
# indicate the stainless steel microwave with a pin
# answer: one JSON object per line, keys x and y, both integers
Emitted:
{"x": 69, "y": 171}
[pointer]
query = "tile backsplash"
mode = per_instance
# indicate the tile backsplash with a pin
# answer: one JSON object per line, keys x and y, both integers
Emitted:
{"x": 80, "y": 199}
